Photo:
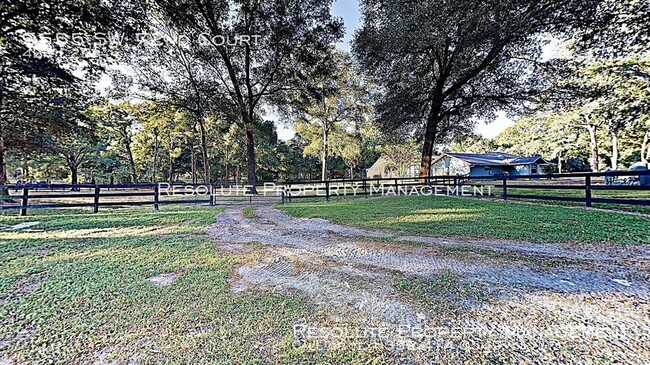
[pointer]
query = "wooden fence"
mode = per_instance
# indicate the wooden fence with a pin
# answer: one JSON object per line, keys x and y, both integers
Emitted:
{"x": 26, "y": 197}
{"x": 586, "y": 182}
{"x": 96, "y": 196}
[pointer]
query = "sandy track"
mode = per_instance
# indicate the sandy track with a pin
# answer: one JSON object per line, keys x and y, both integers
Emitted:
{"x": 537, "y": 302}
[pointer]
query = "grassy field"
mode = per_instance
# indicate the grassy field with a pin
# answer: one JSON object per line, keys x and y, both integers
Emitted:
{"x": 75, "y": 290}
{"x": 469, "y": 217}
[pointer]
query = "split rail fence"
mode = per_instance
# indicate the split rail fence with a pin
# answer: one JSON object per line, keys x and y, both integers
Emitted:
{"x": 581, "y": 188}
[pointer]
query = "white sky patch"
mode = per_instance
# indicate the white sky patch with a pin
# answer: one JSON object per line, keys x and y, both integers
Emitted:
{"x": 494, "y": 128}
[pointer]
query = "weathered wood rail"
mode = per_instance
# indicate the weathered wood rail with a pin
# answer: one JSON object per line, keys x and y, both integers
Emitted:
{"x": 103, "y": 195}
{"x": 585, "y": 182}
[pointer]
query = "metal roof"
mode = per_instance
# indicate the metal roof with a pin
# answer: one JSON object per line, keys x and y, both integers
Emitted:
{"x": 496, "y": 159}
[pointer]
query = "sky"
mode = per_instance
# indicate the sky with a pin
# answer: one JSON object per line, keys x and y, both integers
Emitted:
{"x": 349, "y": 11}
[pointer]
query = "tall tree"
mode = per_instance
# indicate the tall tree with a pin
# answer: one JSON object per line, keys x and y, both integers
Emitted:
{"x": 119, "y": 120}
{"x": 264, "y": 50}
{"x": 170, "y": 73}
{"x": 445, "y": 61}
{"x": 28, "y": 75}
{"x": 612, "y": 96}
{"x": 400, "y": 157}
{"x": 332, "y": 109}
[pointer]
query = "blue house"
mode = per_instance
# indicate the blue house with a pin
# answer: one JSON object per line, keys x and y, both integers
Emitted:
{"x": 487, "y": 164}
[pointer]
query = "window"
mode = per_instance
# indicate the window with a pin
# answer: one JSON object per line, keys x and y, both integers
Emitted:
{"x": 488, "y": 168}
{"x": 533, "y": 169}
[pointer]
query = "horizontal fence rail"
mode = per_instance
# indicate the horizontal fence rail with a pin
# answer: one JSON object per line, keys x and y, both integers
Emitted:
{"x": 508, "y": 185}
{"x": 104, "y": 195}
{"x": 97, "y": 195}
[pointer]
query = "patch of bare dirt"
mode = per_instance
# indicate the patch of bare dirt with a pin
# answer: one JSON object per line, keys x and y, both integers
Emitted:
{"x": 24, "y": 287}
{"x": 164, "y": 279}
{"x": 540, "y": 302}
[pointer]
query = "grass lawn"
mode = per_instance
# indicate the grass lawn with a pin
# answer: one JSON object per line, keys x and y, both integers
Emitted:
{"x": 468, "y": 217}
{"x": 75, "y": 290}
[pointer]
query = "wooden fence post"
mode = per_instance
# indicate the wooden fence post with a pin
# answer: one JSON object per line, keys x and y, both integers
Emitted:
{"x": 327, "y": 190}
{"x": 588, "y": 191}
{"x": 96, "y": 200}
{"x": 211, "y": 192}
{"x": 23, "y": 209}
{"x": 289, "y": 193}
{"x": 504, "y": 194}
{"x": 365, "y": 188}
{"x": 155, "y": 197}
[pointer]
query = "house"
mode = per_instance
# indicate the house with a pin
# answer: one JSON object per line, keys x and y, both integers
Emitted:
{"x": 486, "y": 164}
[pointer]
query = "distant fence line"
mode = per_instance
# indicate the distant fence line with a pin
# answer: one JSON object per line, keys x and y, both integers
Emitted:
{"x": 285, "y": 192}
{"x": 505, "y": 183}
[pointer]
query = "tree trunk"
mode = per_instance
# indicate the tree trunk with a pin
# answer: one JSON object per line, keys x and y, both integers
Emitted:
{"x": 155, "y": 157}
{"x": 429, "y": 140}
{"x": 645, "y": 148}
{"x": 226, "y": 168}
{"x": 129, "y": 153}
{"x": 193, "y": 165}
{"x": 171, "y": 169}
{"x": 324, "y": 155}
{"x": 559, "y": 163}
{"x": 74, "y": 173}
{"x": 614, "y": 151}
{"x": 204, "y": 153}
{"x": 647, "y": 156}
{"x": 171, "y": 160}
{"x": 594, "y": 147}
{"x": 25, "y": 169}
{"x": 250, "y": 154}
{"x": 3, "y": 149}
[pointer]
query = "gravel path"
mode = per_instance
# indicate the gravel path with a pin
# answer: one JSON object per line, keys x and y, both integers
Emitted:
{"x": 524, "y": 302}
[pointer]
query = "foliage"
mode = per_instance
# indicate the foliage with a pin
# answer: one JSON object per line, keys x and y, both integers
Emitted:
{"x": 606, "y": 99}
{"x": 440, "y": 63}
{"x": 33, "y": 78}
{"x": 619, "y": 29}
{"x": 183, "y": 109}
{"x": 330, "y": 115}
{"x": 289, "y": 44}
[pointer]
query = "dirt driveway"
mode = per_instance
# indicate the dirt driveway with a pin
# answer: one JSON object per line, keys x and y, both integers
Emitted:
{"x": 423, "y": 299}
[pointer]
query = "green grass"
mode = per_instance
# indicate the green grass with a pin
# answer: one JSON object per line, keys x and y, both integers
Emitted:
{"x": 444, "y": 293}
{"x": 76, "y": 292}
{"x": 477, "y": 218}
{"x": 250, "y": 212}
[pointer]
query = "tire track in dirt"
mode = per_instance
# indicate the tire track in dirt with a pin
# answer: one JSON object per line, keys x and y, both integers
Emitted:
{"x": 352, "y": 272}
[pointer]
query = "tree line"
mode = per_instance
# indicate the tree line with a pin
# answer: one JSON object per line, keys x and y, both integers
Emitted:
{"x": 421, "y": 73}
